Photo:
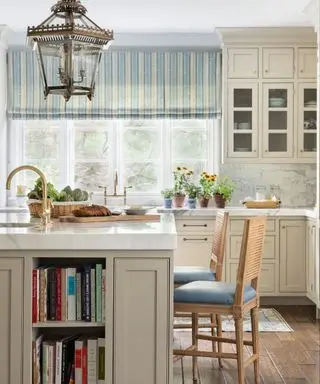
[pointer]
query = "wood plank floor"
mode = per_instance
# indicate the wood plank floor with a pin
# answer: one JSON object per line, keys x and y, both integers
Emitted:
{"x": 292, "y": 358}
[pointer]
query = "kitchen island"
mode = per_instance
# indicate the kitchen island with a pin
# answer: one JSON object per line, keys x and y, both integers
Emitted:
{"x": 137, "y": 322}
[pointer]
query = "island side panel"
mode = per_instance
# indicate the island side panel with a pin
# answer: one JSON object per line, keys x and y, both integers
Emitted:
{"x": 142, "y": 319}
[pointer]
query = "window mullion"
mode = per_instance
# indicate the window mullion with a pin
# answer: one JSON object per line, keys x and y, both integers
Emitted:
{"x": 166, "y": 154}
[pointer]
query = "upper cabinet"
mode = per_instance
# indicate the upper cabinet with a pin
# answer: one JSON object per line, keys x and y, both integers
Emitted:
{"x": 307, "y": 63}
{"x": 269, "y": 95}
{"x": 243, "y": 63}
{"x": 277, "y": 63}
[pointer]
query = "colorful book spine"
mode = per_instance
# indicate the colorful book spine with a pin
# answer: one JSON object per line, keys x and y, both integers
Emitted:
{"x": 71, "y": 273}
{"x": 98, "y": 292}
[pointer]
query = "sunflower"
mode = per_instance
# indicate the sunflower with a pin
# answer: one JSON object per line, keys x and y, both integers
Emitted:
{"x": 178, "y": 168}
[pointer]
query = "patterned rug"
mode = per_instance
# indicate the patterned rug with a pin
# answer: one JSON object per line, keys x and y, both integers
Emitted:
{"x": 270, "y": 320}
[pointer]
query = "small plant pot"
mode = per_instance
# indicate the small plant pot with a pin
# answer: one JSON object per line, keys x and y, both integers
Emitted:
{"x": 179, "y": 201}
{"x": 203, "y": 201}
{"x": 168, "y": 203}
{"x": 192, "y": 203}
{"x": 220, "y": 201}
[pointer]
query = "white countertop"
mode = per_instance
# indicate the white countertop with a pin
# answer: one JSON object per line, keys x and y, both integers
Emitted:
{"x": 242, "y": 211}
{"x": 94, "y": 236}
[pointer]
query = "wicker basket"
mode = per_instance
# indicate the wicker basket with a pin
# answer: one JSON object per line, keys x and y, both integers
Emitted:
{"x": 263, "y": 204}
{"x": 59, "y": 209}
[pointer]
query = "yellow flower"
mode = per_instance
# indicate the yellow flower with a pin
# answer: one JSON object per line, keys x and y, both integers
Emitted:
{"x": 185, "y": 168}
{"x": 178, "y": 168}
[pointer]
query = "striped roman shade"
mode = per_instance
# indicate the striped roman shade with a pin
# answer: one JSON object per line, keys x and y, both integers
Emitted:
{"x": 130, "y": 85}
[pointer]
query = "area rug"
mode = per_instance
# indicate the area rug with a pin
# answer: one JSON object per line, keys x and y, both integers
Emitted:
{"x": 270, "y": 320}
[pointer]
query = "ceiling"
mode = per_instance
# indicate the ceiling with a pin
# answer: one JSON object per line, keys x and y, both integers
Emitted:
{"x": 158, "y": 16}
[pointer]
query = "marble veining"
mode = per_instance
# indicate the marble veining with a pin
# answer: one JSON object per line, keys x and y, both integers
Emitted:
{"x": 297, "y": 182}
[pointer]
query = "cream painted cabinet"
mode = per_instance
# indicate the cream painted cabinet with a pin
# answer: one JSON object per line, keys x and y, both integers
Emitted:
{"x": 292, "y": 276}
{"x": 243, "y": 63}
{"x": 243, "y": 119}
{"x": 311, "y": 260}
{"x": 307, "y": 120}
{"x": 307, "y": 63}
{"x": 142, "y": 309}
{"x": 193, "y": 250}
{"x": 11, "y": 320}
{"x": 277, "y": 63}
{"x": 277, "y": 122}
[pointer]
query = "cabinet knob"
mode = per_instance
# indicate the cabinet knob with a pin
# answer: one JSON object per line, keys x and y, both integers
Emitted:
{"x": 254, "y": 72}
{"x": 301, "y": 70}
{"x": 254, "y": 150}
{"x": 301, "y": 150}
{"x": 266, "y": 70}
{"x": 266, "y": 150}
{"x": 283, "y": 227}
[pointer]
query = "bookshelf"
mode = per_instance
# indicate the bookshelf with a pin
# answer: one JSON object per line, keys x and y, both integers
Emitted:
{"x": 137, "y": 329}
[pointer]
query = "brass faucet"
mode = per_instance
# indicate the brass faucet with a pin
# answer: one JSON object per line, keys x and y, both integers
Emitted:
{"x": 46, "y": 203}
{"x": 115, "y": 194}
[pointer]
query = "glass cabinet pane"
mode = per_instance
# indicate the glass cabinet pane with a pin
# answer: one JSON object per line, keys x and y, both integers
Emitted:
{"x": 242, "y": 120}
{"x": 277, "y": 142}
{"x": 242, "y": 142}
{"x": 310, "y": 142}
{"x": 310, "y": 97}
{"x": 242, "y": 98}
{"x": 277, "y": 120}
{"x": 278, "y": 98}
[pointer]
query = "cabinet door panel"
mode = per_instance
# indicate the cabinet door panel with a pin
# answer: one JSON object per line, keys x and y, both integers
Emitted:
{"x": 307, "y": 63}
{"x": 269, "y": 248}
{"x": 292, "y": 256}
{"x": 11, "y": 320}
{"x": 278, "y": 63}
{"x": 193, "y": 250}
{"x": 243, "y": 63}
{"x": 142, "y": 309}
{"x": 242, "y": 122}
{"x": 267, "y": 277}
{"x": 277, "y": 124}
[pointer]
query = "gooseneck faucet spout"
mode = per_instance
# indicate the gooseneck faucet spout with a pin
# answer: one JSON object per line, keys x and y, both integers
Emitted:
{"x": 46, "y": 203}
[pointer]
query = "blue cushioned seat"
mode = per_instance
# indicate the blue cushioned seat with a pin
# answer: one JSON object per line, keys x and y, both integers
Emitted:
{"x": 186, "y": 274}
{"x": 210, "y": 292}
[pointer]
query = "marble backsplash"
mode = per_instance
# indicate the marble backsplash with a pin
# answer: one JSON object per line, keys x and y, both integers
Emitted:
{"x": 297, "y": 182}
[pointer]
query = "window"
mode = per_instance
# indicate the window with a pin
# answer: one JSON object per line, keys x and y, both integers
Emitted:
{"x": 88, "y": 153}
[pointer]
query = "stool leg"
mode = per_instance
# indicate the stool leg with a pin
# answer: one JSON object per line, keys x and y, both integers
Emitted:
{"x": 239, "y": 342}
{"x": 219, "y": 334}
{"x": 182, "y": 369}
{"x": 195, "y": 345}
{"x": 213, "y": 331}
{"x": 255, "y": 343}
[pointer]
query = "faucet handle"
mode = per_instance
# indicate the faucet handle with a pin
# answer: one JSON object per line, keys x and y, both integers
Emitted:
{"x": 125, "y": 188}
{"x": 104, "y": 188}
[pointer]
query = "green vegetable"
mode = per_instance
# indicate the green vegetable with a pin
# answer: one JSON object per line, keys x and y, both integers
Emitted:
{"x": 85, "y": 195}
{"x": 77, "y": 194}
{"x": 68, "y": 190}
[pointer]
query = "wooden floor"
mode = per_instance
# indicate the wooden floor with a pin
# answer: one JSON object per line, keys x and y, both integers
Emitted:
{"x": 292, "y": 358}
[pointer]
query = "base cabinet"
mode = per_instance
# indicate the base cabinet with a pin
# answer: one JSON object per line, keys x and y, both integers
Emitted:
{"x": 311, "y": 260}
{"x": 11, "y": 320}
{"x": 292, "y": 256}
{"x": 142, "y": 309}
{"x": 193, "y": 250}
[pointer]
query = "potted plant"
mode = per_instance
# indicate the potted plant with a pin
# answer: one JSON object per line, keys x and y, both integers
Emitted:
{"x": 206, "y": 188}
{"x": 181, "y": 176}
{"x": 167, "y": 196}
{"x": 222, "y": 191}
{"x": 192, "y": 191}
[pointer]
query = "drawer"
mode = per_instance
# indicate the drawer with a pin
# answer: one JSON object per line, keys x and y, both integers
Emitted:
{"x": 269, "y": 249}
{"x": 193, "y": 250}
{"x": 191, "y": 225}
{"x": 236, "y": 226}
{"x": 267, "y": 277}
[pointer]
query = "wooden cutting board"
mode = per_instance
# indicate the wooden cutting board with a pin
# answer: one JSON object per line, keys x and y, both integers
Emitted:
{"x": 107, "y": 219}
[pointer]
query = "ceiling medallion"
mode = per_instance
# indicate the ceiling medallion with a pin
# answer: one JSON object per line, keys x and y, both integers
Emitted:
{"x": 69, "y": 47}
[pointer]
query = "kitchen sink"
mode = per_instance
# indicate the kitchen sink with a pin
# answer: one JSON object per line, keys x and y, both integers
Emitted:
{"x": 16, "y": 225}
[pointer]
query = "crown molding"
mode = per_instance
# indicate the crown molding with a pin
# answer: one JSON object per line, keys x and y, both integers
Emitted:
{"x": 272, "y": 35}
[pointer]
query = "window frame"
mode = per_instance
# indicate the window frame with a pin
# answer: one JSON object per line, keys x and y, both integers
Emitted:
{"x": 16, "y": 154}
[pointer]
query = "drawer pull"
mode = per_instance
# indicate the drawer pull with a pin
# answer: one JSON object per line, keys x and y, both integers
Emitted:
{"x": 199, "y": 239}
{"x": 195, "y": 225}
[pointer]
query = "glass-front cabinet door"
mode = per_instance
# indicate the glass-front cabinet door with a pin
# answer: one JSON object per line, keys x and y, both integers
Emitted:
{"x": 307, "y": 120}
{"x": 277, "y": 120}
{"x": 242, "y": 120}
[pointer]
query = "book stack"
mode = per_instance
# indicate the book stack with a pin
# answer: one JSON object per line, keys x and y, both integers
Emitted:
{"x": 69, "y": 360}
{"x": 68, "y": 294}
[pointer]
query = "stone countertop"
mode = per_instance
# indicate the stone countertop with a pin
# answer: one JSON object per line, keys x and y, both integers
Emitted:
{"x": 93, "y": 236}
{"x": 241, "y": 211}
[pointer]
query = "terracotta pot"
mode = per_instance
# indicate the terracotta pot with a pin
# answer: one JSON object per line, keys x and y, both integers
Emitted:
{"x": 220, "y": 201}
{"x": 178, "y": 201}
{"x": 203, "y": 201}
